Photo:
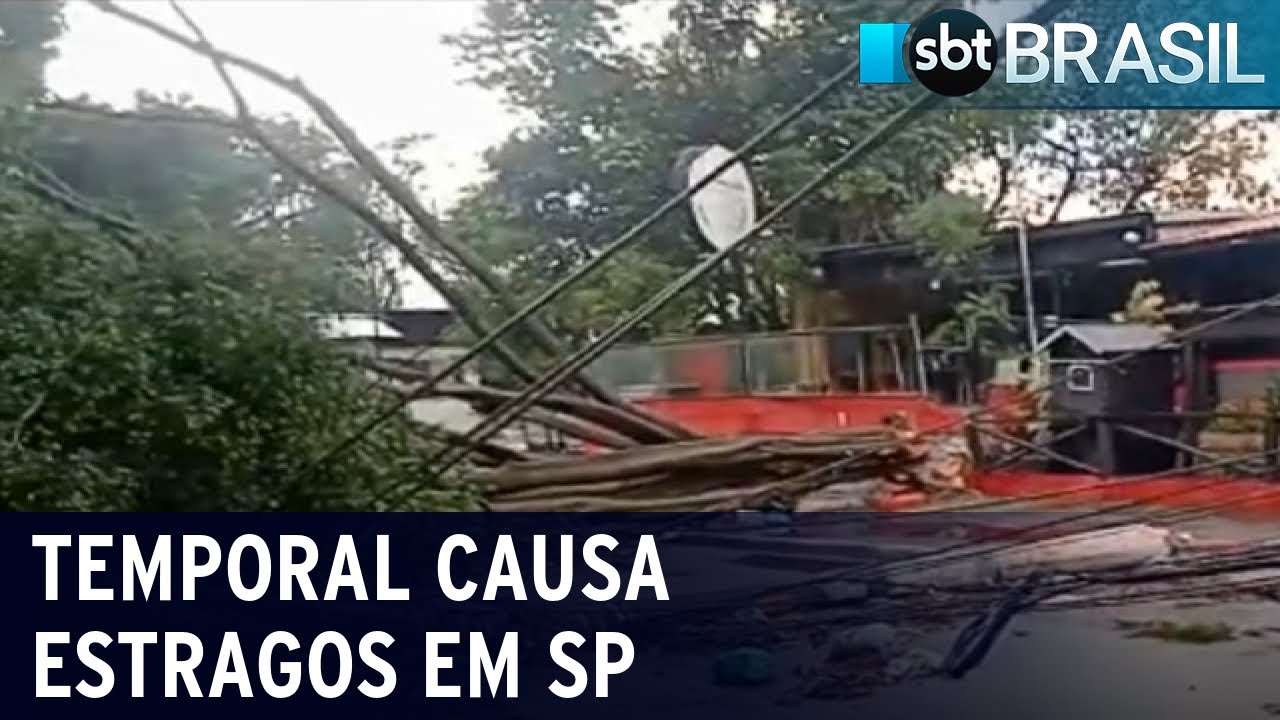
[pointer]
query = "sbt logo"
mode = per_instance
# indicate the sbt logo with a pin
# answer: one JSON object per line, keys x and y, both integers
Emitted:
{"x": 953, "y": 52}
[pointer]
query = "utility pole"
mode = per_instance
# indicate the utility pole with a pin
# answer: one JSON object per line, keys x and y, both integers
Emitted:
{"x": 1024, "y": 252}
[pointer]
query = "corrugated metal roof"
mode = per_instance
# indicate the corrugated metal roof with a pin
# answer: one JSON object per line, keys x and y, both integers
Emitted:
{"x": 356, "y": 327}
{"x": 1206, "y": 228}
{"x": 1104, "y": 338}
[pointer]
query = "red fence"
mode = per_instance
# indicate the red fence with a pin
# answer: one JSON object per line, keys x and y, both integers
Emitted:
{"x": 742, "y": 415}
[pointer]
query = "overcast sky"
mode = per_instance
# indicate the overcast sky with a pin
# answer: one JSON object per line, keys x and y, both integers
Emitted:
{"x": 381, "y": 63}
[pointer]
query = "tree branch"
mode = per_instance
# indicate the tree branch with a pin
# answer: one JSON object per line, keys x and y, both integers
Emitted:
{"x": 248, "y": 124}
{"x": 1068, "y": 184}
{"x": 58, "y": 105}
{"x": 387, "y": 181}
{"x": 1003, "y": 167}
{"x": 392, "y": 186}
{"x": 42, "y": 183}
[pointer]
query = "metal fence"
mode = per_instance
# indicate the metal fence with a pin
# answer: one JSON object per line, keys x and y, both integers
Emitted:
{"x": 868, "y": 359}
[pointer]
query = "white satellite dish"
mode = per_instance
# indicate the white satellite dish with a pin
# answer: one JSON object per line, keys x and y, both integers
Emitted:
{"x": 725, "y": 210}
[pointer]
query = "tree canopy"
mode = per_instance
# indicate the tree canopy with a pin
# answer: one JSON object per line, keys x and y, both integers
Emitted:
{"x": 608, "y": 118}
{"x": 159, "y": 275}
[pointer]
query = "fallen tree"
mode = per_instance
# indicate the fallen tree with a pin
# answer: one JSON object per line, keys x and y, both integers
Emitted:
{"x": 724, "y": 474}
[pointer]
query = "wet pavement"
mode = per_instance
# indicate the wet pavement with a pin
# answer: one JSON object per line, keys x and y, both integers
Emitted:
{"x": 1049, "y": 665}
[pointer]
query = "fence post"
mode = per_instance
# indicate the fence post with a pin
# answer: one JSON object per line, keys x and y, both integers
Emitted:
{"x": 974, "y": 439}
{"x": 1270, "y": 441}
{"x": 922, "y": 375}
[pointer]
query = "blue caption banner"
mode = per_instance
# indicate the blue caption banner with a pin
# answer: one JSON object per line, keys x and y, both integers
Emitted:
{"x": 752, "y": 615}
{"x": 1107, "y": 54}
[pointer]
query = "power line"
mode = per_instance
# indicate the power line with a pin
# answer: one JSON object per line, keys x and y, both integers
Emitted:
{"x": 577, "y": 361}
{"x": 510, "y": 410}
{"x": 978, "y": 413}
{"x": 953, "y": 552}
{"x": 629, "y": 237}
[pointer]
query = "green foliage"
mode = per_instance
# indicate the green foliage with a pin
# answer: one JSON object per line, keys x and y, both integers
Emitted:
{"x": 980, "y": 320}
{"x": 1147, "y": 305}
{"x": 179, "y": 166}
{"x": 182, "y": 371}
{"x": 185, "y": 376}
{"x": 950, "y": 236}
{"x": 1114, "y": 161}
{"x": 610, "y": 119}
{"x": 27, "y": 32}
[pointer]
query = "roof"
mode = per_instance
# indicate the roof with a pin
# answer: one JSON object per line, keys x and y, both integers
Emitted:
{"x": 356, "y": 327}
{"x": 1204, "y": 228}
{"x": 1104, "y": 338}
{"x": 419, "y": 326}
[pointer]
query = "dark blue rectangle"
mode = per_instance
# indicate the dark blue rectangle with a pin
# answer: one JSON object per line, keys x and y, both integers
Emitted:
{"x": 759, "y": 604}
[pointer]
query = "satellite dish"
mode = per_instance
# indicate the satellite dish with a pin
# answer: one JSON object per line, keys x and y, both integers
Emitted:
{"x": 725, "y": 210}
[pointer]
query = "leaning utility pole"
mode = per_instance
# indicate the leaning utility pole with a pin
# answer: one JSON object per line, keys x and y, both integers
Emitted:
{"x": 1024, "y": 252}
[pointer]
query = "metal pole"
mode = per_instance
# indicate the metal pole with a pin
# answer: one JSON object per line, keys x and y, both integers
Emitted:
{"x": 1024, "y": 253}
{"x": 918, "y": 341}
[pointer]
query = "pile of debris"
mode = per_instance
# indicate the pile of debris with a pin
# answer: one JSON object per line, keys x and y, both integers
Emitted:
{"x": 725, "y": 474}
{"x": 625, "y": 459}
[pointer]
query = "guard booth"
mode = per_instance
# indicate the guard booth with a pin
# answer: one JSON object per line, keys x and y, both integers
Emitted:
{"x": 1108, "y": 411}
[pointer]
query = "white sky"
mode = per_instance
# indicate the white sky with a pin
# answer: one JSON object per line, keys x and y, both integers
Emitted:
{"x": 381, "y": 63}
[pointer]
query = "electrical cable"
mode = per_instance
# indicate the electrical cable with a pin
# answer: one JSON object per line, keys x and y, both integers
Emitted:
{"x": 1036, "y": 590}
{"x": 950, "y": 553}
{"x": 512, "y": 408}
{"x": 508, "y": 411}
{"x": 977, "y": 414}
{"x": 623, "y": 241}
{"x": 977, "y": 638}
{"x": 577, "y": 361}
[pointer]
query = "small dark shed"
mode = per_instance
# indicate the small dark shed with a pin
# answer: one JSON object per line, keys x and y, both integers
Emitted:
{"x": 1096, "y": 383}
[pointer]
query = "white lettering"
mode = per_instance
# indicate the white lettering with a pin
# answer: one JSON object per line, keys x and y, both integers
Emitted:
{"x": 981, "y": 43}
{"x": 377, "y": 664}
{"x": 1016, "y": 52}
{"x": 315, "y": 664}
{"x": 185, "y": 668}
{"x": 345, "y": 571}
{"x": 946, "y": 44}
{"x": 192, "y": 569}
{"x": 929, "y": 59}
{"x": 612, "y": 581}
{"x": 646, "y": 571}
{"x": 483, "y": 664}
{"x": 236, "y": 578}
{"x": 137, "y": 642}
{"x": 436, "y": 663}
{"x": 606, "y": 667}
{"x": 46, "y": 662}
{"x": 230, "y": 668}
{"x": 1233, "y": 74}
{"x": 292, "y": 571}
{"x": 1215, "y": 75}
{"x": 144, "y": 572}
{"x": 385, "y": 591}
{"x": 575, "y": 668}
{"x": 89, "y": 565}
{"x": 1170, "y": 45}
{"x": 51, "y": 544}
{"x": 451, "y": 591}
{"x": 1080, "y": 57}
{"x": 540, "y": 571}
{"x": 84, "y": 651}
{"x": 291, "y": 670}
{"x": 1132, "y": 36}
{"x": 504, "y": 571}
